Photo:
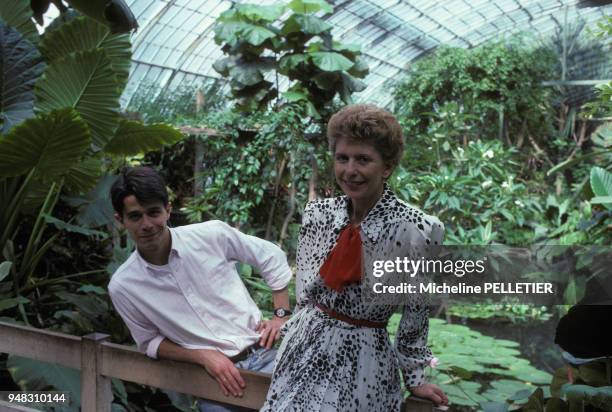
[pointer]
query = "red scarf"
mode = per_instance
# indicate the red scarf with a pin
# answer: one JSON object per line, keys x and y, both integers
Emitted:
{"x": 344, "y": 264}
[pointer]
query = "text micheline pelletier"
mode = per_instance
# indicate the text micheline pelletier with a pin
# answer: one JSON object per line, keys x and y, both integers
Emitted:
{"x": 458, "y": 268}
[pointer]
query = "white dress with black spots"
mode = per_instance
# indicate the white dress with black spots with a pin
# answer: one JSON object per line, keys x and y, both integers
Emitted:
{"x": 325, "y": 364}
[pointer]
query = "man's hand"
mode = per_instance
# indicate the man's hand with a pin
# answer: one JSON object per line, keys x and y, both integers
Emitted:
{"x": 431, "y": 392}
{"x": 223, "y": 370}
{"x": 270, "y": 331}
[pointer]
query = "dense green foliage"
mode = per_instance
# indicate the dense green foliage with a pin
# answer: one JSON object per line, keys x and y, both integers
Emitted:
{"x": 498, "y": 157}
{"x": 62, "y": 137}
{"x": 286, "y": 41}
{"x": 475, "y": 187}
{"x": 481, "y": 136}
{"x": 498, "y": 83}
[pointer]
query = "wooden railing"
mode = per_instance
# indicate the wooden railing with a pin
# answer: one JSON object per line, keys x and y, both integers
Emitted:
{"x": 99, "y": 361}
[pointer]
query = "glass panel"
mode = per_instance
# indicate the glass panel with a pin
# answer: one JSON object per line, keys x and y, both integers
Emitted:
{"x": 395, "y": 31}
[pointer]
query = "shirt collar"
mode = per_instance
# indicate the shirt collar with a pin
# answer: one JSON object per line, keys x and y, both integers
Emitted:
{"x": 372, "y": 224}
{"x": 175, "y": 250}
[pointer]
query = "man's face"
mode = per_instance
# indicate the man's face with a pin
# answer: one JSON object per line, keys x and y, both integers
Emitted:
{"x": 146, "y": 224}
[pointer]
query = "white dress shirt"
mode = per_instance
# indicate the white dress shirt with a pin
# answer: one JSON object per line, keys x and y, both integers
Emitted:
{"x": 198, "y": 300}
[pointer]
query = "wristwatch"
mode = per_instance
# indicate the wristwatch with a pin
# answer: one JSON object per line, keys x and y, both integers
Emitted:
{"x": 282, "y": 312}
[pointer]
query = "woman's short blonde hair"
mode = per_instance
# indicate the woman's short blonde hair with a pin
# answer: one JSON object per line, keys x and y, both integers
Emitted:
{"x": 369, "y": 124}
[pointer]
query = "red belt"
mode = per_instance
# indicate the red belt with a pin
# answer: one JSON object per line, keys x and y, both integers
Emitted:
{"x": 357, "y": 322}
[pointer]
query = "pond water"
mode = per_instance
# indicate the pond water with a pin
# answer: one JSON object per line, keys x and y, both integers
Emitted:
{"x": 535, "y": 337}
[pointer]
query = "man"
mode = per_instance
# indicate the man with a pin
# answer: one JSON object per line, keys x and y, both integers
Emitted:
{"x": 180, "y": 294}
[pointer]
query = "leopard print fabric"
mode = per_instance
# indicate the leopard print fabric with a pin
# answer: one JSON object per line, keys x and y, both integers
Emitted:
{"x": 325, "y": 364}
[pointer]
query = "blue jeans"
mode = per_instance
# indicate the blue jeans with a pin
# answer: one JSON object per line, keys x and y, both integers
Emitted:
{"x": 259, "y": 360}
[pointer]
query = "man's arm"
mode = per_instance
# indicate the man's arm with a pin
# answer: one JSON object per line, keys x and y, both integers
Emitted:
{"x": 145, "y": 334}
{"x": 272, "y": 263}
{"x": 149, "y": 341}
{"x": 219, "y": 366}
{"x": 270, "y": 329}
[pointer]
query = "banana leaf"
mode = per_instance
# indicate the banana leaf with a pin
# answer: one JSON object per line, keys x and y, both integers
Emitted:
{"x": 85, "y": 81}
{"x": 51, "y": 143}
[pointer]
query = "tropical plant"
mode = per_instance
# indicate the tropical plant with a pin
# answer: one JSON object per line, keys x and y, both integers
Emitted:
{"x": 499, "y": 83}
{"x": 475, "y": 187}
{"x": 76, "y": 98}
{"x": 61, "y": 131}
{"x": 267, "y": 43}
{"x": 252, "y": 177}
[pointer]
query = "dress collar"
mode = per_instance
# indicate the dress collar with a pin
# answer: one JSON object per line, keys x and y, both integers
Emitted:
{"x": 379, "y": 214}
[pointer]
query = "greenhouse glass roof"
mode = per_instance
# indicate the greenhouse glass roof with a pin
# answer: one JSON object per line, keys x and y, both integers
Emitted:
{"x": 174, "y": 45}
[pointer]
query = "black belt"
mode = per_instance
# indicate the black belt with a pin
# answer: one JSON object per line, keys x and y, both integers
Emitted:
{"x": 245, "y": 353}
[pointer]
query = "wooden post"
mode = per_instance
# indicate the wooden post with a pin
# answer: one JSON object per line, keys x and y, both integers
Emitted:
{"x": 96, "y": 393}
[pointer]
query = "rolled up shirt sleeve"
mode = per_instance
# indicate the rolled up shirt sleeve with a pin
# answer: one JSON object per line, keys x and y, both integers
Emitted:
{"x": 264, "y": 255}
{"x": 144, "y": 333}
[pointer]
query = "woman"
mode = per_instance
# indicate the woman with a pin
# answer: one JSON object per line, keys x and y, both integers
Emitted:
{"x": 336, "y": 354}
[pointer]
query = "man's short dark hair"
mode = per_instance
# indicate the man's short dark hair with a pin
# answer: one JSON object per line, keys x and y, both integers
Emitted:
{"x": 143, "y": 182}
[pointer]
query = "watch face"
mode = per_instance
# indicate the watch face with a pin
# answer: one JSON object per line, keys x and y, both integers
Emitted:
{"x": 281, "y": 313}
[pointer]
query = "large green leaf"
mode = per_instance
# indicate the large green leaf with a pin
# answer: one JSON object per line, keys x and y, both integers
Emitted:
{"x": 18, "y": 14}
{"x": 256, "y": 35}
{"x": 132, "y": 138}
{"x": 351, "y": 48}
{"x": 290, "y": 62}
{"x": 246, "y": 74}
{"x": 83, "y": 34}
{"x": 85, "y": 81}
{"x": 255, "y": 12}
{"x": 95, "y": 208}
{"x": 601, "y": 184}
{"x": 360, "y": 69}
{"x": 330, "y": 61}
{"x": 223, "y": 65}
{"x": 295, "y": 96}
{"x": 310, "y": 6}
{"x": 305, "y": 24}
{"x": 36, "y": 193}
{"x": 61, "y": 225}
{"x": 51, "y": 143}
{"x": 327, "y": 80}
{"x": 20, "y": 66}
{"x": 34, "y": 375}
{"x": 227, "y": 32}
{"x": 84, "y": 175}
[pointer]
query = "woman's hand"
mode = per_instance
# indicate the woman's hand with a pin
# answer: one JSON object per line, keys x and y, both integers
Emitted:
{"x": 431, "y": 392}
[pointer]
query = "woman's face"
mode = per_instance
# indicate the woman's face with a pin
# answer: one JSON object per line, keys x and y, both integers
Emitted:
{"x": 360, "y": 171}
